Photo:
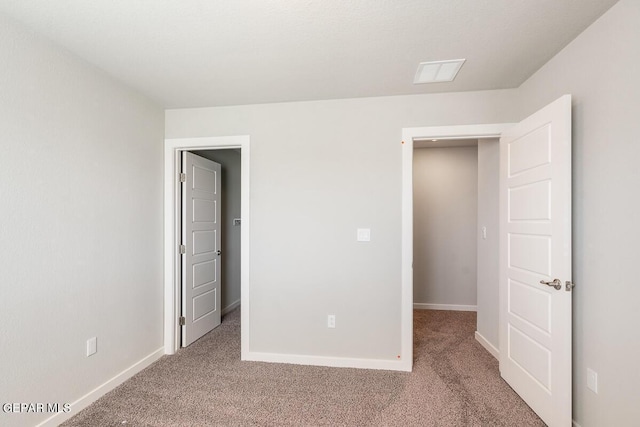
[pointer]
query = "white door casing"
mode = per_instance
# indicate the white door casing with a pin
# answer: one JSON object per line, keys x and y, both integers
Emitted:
{"x": 173, "y": 148}
{"x": 535, "y": 246}
{"x": 201, "y": 262}
{"x": 409, "y": 135}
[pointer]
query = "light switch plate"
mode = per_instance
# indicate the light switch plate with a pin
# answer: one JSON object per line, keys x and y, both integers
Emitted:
{"x": 364, "y": 234}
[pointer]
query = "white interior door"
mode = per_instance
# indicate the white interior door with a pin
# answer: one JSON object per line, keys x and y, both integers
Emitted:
{"x": 200, "y": 263}
{"x": 535, "y": 247}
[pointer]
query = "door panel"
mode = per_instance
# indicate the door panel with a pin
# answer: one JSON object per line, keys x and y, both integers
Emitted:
{"x": 203, "y": 242}
{"x": 530, "y": 304}
{"x": 203, "y": 272}
{"x": 530, "y": 253}
{"x": 530, "y": 355}
{"x": 535, "y": 245}
{"x": 201, "y": 238}
{"x": 530, "y": 202}
{"x": 530, "y": 151}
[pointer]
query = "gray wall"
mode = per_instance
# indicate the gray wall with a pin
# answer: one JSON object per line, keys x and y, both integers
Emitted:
{"x": 231, "y": 174}
{"x": 319, "y": 171}
{"x": 600, "y": 69}
{"x": 488, "y": 249}
{"x": 445, "y": 209}
{"x": 80, "y": 224}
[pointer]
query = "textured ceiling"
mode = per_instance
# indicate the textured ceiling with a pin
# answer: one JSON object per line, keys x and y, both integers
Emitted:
{"x": 191, "y": 53}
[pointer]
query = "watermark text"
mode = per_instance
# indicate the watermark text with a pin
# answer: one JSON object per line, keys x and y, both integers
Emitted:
{"x": 23, "y": 408}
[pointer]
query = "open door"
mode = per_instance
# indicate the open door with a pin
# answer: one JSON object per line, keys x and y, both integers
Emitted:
{"x": 200, "y": 259}
{"x": 535, "y": 261}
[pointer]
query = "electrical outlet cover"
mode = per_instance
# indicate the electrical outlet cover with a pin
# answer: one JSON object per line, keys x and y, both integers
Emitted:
{"x": 592, "y": 380}
{"x": 331, "y": 321}
{"x": 92, "y": 346}
{"x": 364, "y": 235}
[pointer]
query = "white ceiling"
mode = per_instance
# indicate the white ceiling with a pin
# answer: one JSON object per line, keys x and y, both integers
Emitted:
{"x": 191, "y": 53}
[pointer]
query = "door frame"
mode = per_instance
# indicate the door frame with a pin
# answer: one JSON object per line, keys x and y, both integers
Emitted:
{"x": 172, "y": 149}
{"x": 408, "y": 137}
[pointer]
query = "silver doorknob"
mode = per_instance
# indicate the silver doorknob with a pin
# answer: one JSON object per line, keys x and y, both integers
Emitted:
{"x": 557, "y": 284}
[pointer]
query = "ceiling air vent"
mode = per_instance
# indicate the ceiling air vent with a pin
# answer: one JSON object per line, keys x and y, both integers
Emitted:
{"x": 438, "y": 71}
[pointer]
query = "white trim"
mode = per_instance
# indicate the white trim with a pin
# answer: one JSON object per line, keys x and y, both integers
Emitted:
{"x": 102, "y": 389}
{"x": 575, "y": 424}
{"x": 406, "y": 299}
{"x": 451, "y": 307}
{"x": 335, "y": 362}
{"x": 231, "y": 307}
{"x": 455, "y": 132}
{"x": 172, "y": 147}
{"x": 408, "y": 136}
{"x": 487, "y": 345}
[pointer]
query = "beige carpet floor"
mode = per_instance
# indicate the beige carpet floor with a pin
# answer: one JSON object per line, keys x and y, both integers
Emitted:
{"x": 455, "y": 382}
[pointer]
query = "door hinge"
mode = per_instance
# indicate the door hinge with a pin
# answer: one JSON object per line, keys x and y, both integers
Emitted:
{"x": 183, "y": 249}
{"x": 182, "y": 321}
{"x": 183, "y": 177}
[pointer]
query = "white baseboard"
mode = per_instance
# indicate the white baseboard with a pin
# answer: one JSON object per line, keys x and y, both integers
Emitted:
{"x": 102, "y": 389}
{"x": 231, "y": 307}
{"x": 337, "y": 362}
{"x": 452, "y": 307}
{"x": 575, "y": 424}
{"x": 487, "y": 345}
